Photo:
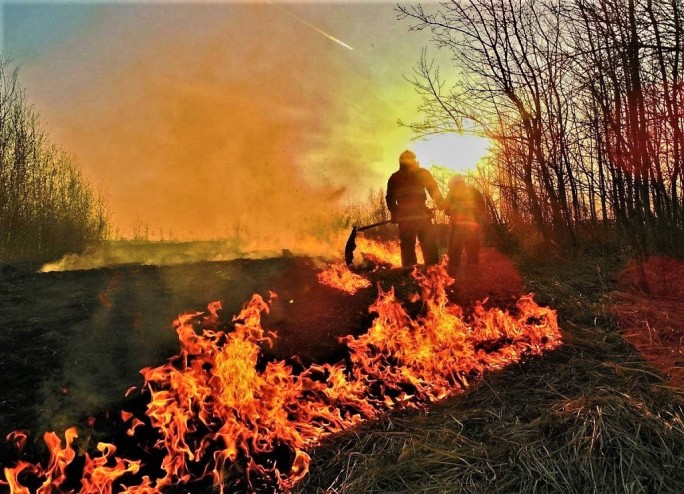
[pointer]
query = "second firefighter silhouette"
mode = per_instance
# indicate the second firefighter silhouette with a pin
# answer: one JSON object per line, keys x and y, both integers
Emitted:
{"x": 406, "y": 202}
{"x": 466, "y": 209}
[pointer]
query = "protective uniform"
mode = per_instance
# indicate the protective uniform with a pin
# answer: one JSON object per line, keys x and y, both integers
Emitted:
{"x": 406, "y": 202}
{"x": 466, "y": 208}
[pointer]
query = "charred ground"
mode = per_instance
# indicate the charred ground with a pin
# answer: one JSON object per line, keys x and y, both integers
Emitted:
{"x": 74, "y": 341}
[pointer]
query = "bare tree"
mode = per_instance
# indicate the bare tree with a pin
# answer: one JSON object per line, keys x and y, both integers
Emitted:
{"x": 46, "y": 207}
{"x": 582, "y": 99}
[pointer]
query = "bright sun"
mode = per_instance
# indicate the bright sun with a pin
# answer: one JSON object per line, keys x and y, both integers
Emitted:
{"x": 458, "y": 152}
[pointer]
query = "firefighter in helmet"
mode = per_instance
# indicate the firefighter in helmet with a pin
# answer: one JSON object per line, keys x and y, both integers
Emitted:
{"x": 466, "y": 209}
{"x": 406, "y": 202}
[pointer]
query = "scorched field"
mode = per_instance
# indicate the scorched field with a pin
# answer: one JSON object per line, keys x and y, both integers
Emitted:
{"x": 296, "y": 374}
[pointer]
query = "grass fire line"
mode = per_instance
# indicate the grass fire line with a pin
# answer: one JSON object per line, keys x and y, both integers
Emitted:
{"x": 221, "y": 414}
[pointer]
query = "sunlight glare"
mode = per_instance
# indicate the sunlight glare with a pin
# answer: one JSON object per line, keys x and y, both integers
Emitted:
{"x": 458, "y": 152}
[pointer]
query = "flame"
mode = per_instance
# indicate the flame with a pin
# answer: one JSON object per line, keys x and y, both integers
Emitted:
{"x": 215, "y": 405}
{"x": 436, "y": 354}
{"x": 98, "y": 476}
{"x": 100, "y": 473}
{"x": 250, "y": 412}
{"x": 383, "y": 252}
{"x": 134, "y": 425}
{"x": 18, "y": 440}
{"x": 339, "y": 276}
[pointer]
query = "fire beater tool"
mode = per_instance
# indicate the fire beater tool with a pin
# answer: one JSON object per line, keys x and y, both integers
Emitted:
{"x": 351, "y": 241}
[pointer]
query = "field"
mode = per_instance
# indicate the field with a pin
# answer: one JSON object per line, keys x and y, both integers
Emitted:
{"x": 592, "y": 415}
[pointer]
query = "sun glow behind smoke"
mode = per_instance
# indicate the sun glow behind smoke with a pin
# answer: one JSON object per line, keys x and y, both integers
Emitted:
{"x": 227, "y": 121}
{"x": 458, "y": 152}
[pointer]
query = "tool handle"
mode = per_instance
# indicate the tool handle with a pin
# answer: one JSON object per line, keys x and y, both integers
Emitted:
{"x": 362, "y": 228}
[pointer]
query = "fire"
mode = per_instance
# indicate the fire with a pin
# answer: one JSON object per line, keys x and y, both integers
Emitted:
{"x": 18, "y": 440}
{"x": 99, "y": 473}
{"x": 436, "y": 354}
{"x": 339, "y": 276}
{"x": 216, "y": 406}
{"x": 215, "y": 384}
{"x": 382, "y": 252}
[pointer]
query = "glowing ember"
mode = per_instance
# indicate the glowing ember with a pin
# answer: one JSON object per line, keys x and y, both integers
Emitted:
{"x": 219, "y": 410}
{"x": 339, "y": 276}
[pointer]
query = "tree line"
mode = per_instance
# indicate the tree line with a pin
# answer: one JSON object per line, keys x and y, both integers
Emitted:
{"x": 47, "y": 208}
{"x": 583, "y": 101}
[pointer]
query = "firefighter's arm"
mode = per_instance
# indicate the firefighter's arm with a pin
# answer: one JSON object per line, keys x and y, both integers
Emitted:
{"x": 391, "y": 199}
{"x": 447, "y": 203}
{"x": 431, "y": 186}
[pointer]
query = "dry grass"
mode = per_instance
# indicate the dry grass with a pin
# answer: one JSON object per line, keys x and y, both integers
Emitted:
{"x": 592, "y": 416}
{"x": 649, "y": 305}
{"x": 561, "y": 424}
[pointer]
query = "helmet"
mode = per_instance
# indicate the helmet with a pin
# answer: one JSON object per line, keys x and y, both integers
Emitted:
{"x": 407, "y": 158}
{"x": 457, "y": 178}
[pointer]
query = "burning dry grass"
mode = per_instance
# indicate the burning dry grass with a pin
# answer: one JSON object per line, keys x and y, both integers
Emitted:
{"x": 252, "y": 414}
{"x": 218, "y": 406}
{"x": 591, "y": 416}
{"x": 173, "y": 253}
{"x": 566, "y": 424}
{"x": 340, "y": 276}
{"x": 649, "y": 307}
{"x": 382, "y": 252}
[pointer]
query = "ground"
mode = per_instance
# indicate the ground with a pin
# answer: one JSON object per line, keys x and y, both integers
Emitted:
{"x": 591, "y": 416}
{"x": 649, "y": 305}
{"x": 73, "y": 342}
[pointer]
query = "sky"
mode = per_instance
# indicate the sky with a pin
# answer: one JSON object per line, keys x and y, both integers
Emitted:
{"x": 207, "y": 119}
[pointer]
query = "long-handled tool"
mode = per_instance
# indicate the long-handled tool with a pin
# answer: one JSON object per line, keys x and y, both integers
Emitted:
{"x": 351, "y": 241}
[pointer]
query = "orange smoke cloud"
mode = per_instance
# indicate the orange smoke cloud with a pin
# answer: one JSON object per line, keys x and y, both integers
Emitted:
{"x": 237, "y": 130}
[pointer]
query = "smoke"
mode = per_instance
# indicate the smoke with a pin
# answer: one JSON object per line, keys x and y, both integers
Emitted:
{"x": 214, "y": 121}
{"x": 117, "y": 253}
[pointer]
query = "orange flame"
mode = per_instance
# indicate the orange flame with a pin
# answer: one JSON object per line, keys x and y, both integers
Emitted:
{"x": 18, "y": 440}
{"x": 382, "y": 252}
{"x": 98, "y": 476}
{"x": 379, "y": 252}
{"x": 434, "y": 355}
{"x": 215, "y": 405}
{"x": 339, "y": 276}
{"x": 251, "y": 412}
